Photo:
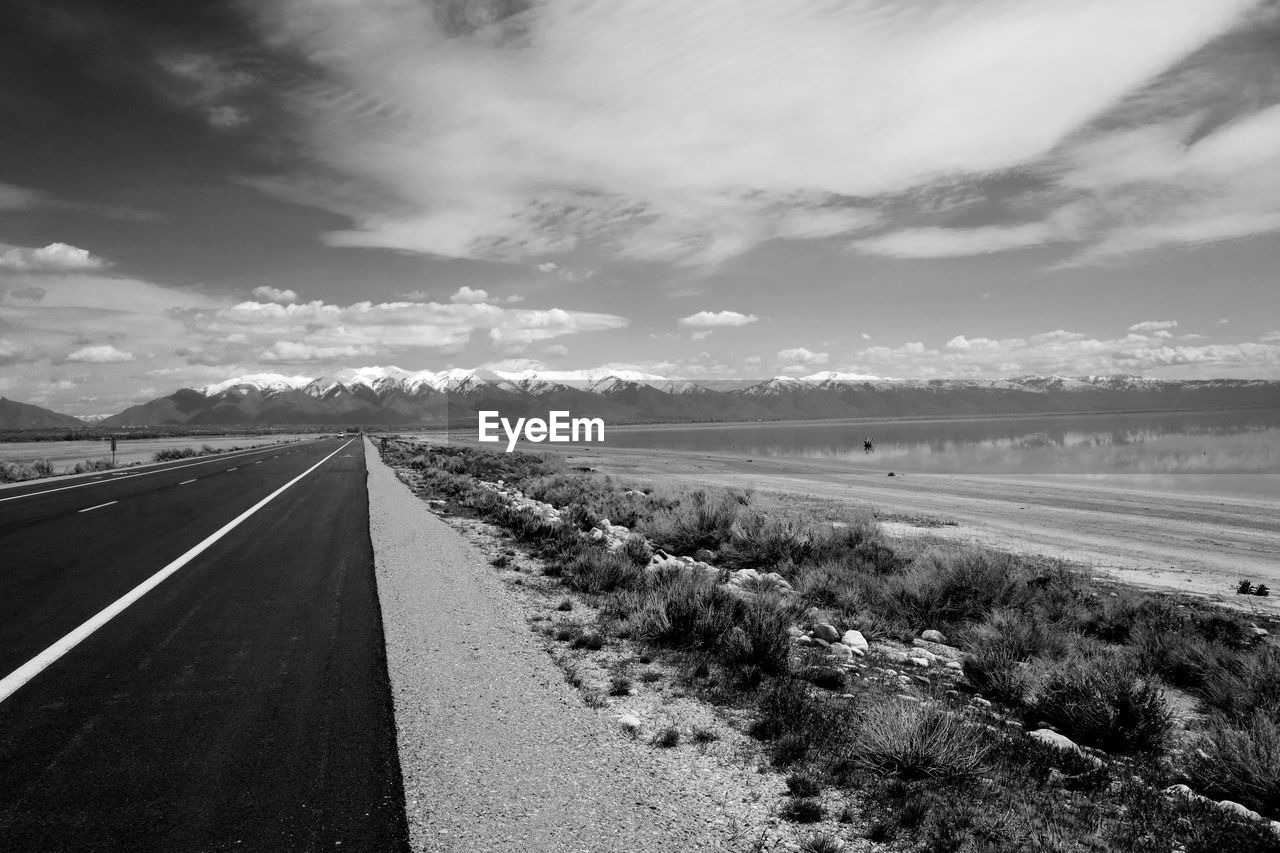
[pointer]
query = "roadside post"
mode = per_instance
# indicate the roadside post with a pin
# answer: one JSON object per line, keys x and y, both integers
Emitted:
{"x": 113, "y": 451}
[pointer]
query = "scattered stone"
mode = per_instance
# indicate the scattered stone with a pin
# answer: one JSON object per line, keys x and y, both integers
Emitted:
{"x": 824, "y": 631}
{"x": 954, "y": 665}
{"x": 855, "y": 640}
{"x": 933, "y": 636}
{"x": 702, "y": 555}
{"x": 981, "y": 703}
{"x": 921, "y": 662}
{"x": 819, "y": 642}
{"x": 630, "y": 722}
{"x": 596, "y": 534}
{"x": 841, "y": 651}
{"x": 1259, "y": 632}
{"x": 1231, "y": 806}
{"x": 1052, "y": 738}
{"x": 804, "y": 640}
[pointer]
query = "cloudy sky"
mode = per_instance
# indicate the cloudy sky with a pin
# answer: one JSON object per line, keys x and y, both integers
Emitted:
{"x": 728, "y": 188}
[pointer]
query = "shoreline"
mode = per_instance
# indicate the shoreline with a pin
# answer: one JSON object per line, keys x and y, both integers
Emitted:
{"x": 1153, "y": 540}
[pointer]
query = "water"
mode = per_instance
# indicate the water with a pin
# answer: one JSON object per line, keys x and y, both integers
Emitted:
{"x": 1219, "y": 452}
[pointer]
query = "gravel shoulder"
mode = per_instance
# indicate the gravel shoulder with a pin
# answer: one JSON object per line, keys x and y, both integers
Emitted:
{"x": 498, "y": 752}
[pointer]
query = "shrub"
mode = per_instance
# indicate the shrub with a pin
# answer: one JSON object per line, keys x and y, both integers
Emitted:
{"x": 90, "y": 465}
{"x": 169, "y": 454}
{"x": 804, "y": 783}
{"x": 637, "y": 550}
{"x": 797, "y": 719}
{"x": 1240, "y": 763}
{"x": 911, "y": 741}
{"x": 803, "y": 810}
{"x": 620, "y": 685}
{"x": 590, "y": 641}
{"x": 596, "y": 570}
{"x": 822, "y": 842}
{"x": 992, "y": 667}
{"x": 1239, "y": 684}
{"x": 761, "y": 541}
{"x": 702, "y": 736}
{"x": 667, "y": 738}
{"x": 698, "y": 521}
{"x": 1102, "y": 701}
{"x": 824, "y": 676}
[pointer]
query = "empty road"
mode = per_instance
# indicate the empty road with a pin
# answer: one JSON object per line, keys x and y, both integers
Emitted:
{"x": 192, "y": 658}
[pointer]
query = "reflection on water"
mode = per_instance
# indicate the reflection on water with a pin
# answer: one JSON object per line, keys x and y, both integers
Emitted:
{"x": 1220, "y": 452}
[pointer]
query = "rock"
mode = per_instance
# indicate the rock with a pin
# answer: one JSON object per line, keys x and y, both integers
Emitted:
{"x": 702, "y": 555}
{"x": 1052, "y": 738}
{"x": 841, "y": 651}
{"x": 630, "y": 722}
{"x": 954, "y": 665}
{"x": 854, "y": 640}
{"x": 981, "y": 703}
{"x": 794, "y": 632}
{"x": 921, "y": 662}
{"x": 824, "y": 631}
{"x": 1260, "y": 632}
{"x": 803, "y": 640}
{"x": 1230, "y": 806}
{"x": 819, "y": 642}
{"x": 635, "y": 493}
{"x": 596, "y": 534}
{"x": 934, "y": 637}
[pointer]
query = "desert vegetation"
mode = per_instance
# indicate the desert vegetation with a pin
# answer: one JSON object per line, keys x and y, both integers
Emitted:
{"x": 965, "y": 699}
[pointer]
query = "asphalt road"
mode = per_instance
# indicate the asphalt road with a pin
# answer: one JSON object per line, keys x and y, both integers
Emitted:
{"x": 239, "y": 703}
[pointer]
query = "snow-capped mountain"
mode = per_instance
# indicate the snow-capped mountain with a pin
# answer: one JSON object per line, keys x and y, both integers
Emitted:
{"x": 393, "y": 396}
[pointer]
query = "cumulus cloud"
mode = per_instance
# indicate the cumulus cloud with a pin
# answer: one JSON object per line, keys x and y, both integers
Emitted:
{"x": 1153, "y": 325}
{"x": 101, "y": 354}
{"x": 687, "y": 132}
{"x": 717, "y": 318}
{"x": 55, "y": 257}
{"x": 467, "y": 296}
{"x": 266, "y": 293}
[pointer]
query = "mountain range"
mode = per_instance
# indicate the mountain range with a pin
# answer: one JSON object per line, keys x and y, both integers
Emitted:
{"x": 394, "y": 397}
{"x": 15, "y": 415}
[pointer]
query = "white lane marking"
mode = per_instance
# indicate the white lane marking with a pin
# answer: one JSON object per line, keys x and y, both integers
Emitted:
{"x": 29, "y": 670}
{"x": 259, "y": 462}
{"x": 99, "y": 506}
{"x": 218, "y": 458}
{"x": 229, "y": 470}
{"x": 192, "y": 480}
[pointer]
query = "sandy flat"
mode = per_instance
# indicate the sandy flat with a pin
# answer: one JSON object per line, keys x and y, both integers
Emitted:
{"x": 1200, "y": 545}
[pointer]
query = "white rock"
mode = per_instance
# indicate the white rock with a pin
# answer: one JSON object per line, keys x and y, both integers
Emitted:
{"x": 1228, "y": 805}
{"x": 840, "y": 650}
{"x": 1053, "y": 738}
{"x": 923, "y": 663}
{"x": 955, "y": 664}
{"x": 629, "y": 721}
{"x": 933, "y": 636}
{"x": 854, "y": 640}
{"x": 596, "y": 534}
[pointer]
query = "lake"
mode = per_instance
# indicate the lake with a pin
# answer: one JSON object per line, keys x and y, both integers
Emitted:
{"x": 1234, "y": 453}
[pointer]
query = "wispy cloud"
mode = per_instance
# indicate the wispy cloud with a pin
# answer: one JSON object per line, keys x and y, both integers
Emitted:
{"x": 101, "y": 354}
{"x": 688, "y": 132}
{"x": 713, "y": 319}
